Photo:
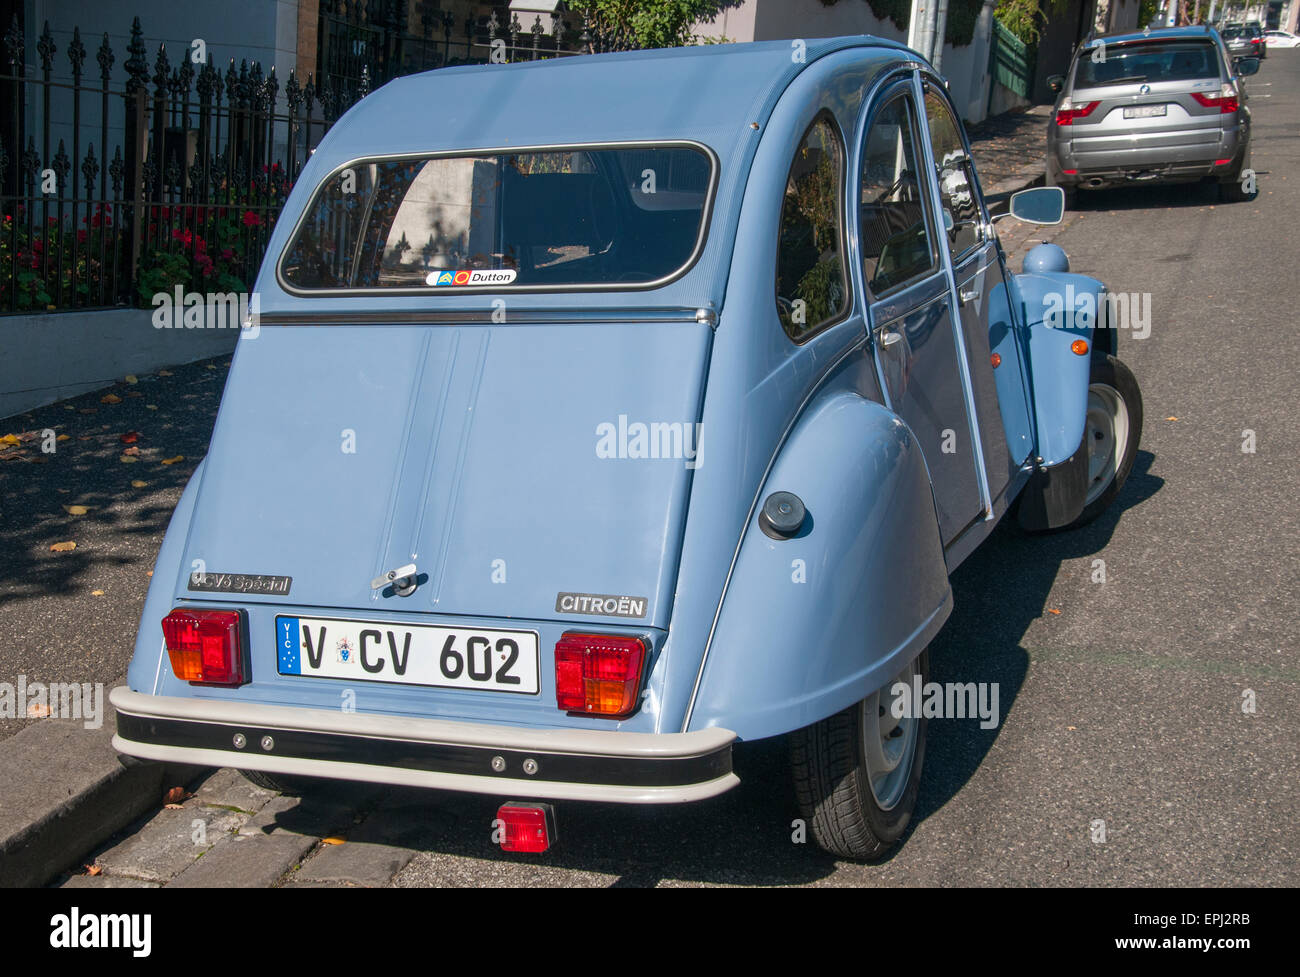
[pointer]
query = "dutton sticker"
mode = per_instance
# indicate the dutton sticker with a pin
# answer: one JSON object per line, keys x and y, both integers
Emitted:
{"x": 472, "y": 276}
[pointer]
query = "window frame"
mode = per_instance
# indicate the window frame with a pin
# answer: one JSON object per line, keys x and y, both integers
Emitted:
{"x": 968, "y": 166}
{"x": 701, "y": 240}
{"x": 901, "y": 89}
{"x": 823, "y": 113}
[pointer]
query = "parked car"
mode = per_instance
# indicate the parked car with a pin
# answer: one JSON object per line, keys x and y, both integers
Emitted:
{"x": 1161, "y": 106}
{"x": 1245, "y": 40}
{"x": 1280, "y": 39}
{"x": 605, "y": 411}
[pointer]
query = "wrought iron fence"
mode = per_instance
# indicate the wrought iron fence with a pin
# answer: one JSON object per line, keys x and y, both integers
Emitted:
{"x": 201, "y": 163}
{"x": 202, "y": 159}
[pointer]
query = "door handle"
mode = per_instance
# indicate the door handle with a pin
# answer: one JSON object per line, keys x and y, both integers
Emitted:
{"x": 888, "y": 338}
{"x": 970, "y": 295}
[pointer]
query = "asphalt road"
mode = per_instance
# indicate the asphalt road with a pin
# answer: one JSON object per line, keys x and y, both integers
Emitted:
{"x": 1122, "y": 701}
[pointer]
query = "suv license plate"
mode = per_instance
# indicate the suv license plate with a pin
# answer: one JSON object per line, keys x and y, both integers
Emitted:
{"x": 1145, "y": 111}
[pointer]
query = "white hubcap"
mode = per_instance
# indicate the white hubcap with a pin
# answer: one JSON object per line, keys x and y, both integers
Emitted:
{"x": 889, "y": 742}
{"x": 1107, "y": 437}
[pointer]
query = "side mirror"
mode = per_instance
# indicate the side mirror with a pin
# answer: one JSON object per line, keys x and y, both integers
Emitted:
{"x": 1055, "y": 83}
{"x": 1040, "y": 205}
{"x": 1246, "y": 66}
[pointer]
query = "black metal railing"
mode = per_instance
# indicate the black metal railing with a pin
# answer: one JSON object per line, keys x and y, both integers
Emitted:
{"x": 201, "y": 159}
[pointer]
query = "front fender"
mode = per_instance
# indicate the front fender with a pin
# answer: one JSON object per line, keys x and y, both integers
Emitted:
{"x": 1057, "y": 309}
{"x": 142, "y": 673}
{"x": 812, "y": 624}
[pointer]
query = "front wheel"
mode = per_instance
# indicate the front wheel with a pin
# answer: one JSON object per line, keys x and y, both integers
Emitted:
{"x": 1112, "y": 431}
{"x": 857, "y": 773}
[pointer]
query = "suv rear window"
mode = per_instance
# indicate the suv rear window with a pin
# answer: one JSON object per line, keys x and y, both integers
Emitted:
{"x": 572, "y": 217}
{"x": 1147, "y": 62}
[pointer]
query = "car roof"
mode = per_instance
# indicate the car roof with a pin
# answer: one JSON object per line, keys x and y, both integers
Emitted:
{"x": 1161, "y": 34}
{"x": 695, "y": 92}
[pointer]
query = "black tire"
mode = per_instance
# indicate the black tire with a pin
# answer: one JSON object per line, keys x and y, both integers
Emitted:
{"x": 832, "y": 788}
{"x": 1113, "y": 373}
{"x": 1231, "y": 191}
{"x": 281, "y": 783}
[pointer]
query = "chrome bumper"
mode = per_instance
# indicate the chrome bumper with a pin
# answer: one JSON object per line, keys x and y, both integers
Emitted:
{"x": 557, "y": 764}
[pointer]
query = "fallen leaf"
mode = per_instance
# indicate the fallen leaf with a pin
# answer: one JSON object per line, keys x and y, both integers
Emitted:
{"x": 137, "y": 483}
{"x": 132, "y": 379}
{"x": 96, "y": 593}
{"x": 38, "y": 710}
{"x": 150, "y": 406}
{"x": 1071, "y": 727}
{"x": 1171, "y": 418}
{"x": 165, "y": 373}
{"x": 172, "y": 807}
{"x": 9, "y": 439}
{"x": 134, "y": 393}
{"x": 130, "y": 437}
{"x": 110, "y": 399}
{"x": 76, "y": 510}
{"x": 67, "y": 547}
{"x": 10, "y": 455}
{"x": 176, "y": 795}
{"x": 332, "y": 841}
{"x": 173, "y": 461}
{"x": 88, "y": 410}
{"x": 149, "y": 574}
{"x": 68, "y": 407}
{"x": 93, "y": 870}
{"x": 210, "y": 366}
{"x": 64, "y": 437}
{"x": 132, "y": 451}
{"x": 1053, "y": 610}
{"x": 128, "y": 459}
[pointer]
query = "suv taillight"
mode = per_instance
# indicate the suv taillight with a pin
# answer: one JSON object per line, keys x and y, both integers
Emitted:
{"x": 598, "y": 674}
{"x": 1225, "y": 101}
{"x": 205, "y": 646}
{"x": 1068, "y": 112}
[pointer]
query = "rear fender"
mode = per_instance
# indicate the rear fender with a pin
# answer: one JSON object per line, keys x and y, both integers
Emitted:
{"x": 146, "y": 664}
{"x": 812, "y": 624}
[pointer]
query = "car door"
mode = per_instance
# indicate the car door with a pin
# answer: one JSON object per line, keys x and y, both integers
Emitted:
{"x": 989, "y": 332}
{"x": 910, "y": 313}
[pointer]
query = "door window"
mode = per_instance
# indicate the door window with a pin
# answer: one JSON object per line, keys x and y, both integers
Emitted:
{"x": 896, "y": 245}
{"x": 961, "y": 212}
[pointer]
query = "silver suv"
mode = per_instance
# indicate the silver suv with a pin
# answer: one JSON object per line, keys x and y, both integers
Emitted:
{"x": 1160, "y": 106}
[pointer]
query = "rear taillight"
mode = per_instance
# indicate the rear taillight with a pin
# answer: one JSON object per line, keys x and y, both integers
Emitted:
{"x": 205, "y": 646}
{"x": 598, "y": 674}
{"x": 525, "y": 827}
{"x": 1068, "y": 112}
{"x": 1225, "y": 101}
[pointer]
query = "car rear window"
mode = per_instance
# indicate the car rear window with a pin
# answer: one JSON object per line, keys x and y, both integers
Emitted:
{"x": 1147, "y": 62}
{"x": 574, "y": 217}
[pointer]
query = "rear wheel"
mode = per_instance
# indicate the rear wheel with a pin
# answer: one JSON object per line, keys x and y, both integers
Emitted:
{"x": 857, "y": 773}
{"x": 1112, "y": 431}
{"x": 1233, "y": 191}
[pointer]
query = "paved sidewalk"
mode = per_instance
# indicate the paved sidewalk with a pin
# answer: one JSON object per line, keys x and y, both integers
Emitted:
{"x": 1010, "y": 149}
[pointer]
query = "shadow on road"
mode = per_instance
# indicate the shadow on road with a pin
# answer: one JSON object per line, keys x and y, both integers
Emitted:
{"x": 745, "y": 837}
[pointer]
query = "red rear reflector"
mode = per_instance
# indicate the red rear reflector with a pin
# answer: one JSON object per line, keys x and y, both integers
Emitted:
{"x": 205, "y": 646}
{"x": 1222, "y": 162}
{"x": 1069, "y": 172}
{"x": 1065, "y": 117}
{"x": 524, "y": 827}
{"x": 1226, "y": 103}
{"x": 598, "y": 674}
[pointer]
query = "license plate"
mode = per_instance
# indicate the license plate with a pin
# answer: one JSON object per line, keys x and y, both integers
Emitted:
{"x": 1145, "y": 111}
{"x": 487, "y": 659}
